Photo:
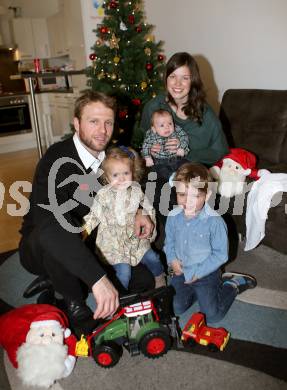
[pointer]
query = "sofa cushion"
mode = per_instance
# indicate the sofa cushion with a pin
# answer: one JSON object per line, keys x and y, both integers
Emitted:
{"x": 256, "y": 120}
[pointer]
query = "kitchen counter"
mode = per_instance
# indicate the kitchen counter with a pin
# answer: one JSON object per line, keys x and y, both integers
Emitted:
{"x": 52, "y": 74}
{"x": 20, "y": 93}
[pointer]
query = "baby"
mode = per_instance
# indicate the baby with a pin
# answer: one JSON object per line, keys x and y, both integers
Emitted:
{"x": 162, "y": 130}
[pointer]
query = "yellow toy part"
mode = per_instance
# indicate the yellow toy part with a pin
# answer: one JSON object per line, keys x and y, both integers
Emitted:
{"x": 82, "y": 347}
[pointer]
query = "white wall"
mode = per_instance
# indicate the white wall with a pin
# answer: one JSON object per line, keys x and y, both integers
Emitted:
{"x": 238, "y": 43}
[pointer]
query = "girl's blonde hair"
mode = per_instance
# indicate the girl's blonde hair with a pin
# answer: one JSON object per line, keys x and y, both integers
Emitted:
{"x": 194, "y": 173}
{"x": 116, "y": 153}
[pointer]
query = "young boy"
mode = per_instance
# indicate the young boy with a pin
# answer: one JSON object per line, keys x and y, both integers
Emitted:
{"x": 196, "y": 245}
{"x": 164, "y": 161}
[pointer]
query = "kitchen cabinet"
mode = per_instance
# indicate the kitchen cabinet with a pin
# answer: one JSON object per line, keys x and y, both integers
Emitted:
{"x": 55, "y": 115}
{"x": 58, "y": 34}
{"x": 41, "y": 38}
{"x": 74, "y": 32}
{"x": 31, "y": 36}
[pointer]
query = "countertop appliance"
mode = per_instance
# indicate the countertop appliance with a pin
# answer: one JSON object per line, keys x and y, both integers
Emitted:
{"x": 14, "y": 115}
{"x": 53, "y": 82}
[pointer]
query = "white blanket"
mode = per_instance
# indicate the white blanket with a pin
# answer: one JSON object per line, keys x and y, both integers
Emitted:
{"x": 258, "y": 204}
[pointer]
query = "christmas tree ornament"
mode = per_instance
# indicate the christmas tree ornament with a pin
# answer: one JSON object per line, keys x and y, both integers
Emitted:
{"x": 99, "y": 42}
{"x": 139, "y": 29}
{"x": 92, "y": 56}
{"x": 131, "y": 19}
{"x": 143, "y": 85}
{"x": 123, "y": 27}
{"x": 147, "y": 51}
{"x": 113, "y": 76}
{"x": 113, "y": 4}
{"x": 123, "y": 114}
{"x": 101, "y": 75}
{"x": 116, "y": 59}
{"x": 160, "y": 57}
{"x": 103, "y": 30}
{"x": 136, "y": 102}
{"x": 150, "y": 38}
{"x": 149, "y": 66}
{"x": 114, "y": 42}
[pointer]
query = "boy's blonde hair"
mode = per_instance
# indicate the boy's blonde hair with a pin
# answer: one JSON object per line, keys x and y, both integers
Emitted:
{"x": 116, "y": 153}
{"x": 195, "y": 174}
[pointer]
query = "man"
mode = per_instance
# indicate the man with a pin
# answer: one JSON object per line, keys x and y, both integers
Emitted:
{"x": 51, "y": 244}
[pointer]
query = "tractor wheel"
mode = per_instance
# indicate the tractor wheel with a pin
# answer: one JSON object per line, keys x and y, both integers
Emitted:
{"x": 189, "y": 342}
{"x": 155, "y": 344}
{"x": 107, "y": 355}
{"x": 213, "y": 347}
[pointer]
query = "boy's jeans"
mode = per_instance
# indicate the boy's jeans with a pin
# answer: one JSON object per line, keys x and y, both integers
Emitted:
{"x": 214, "y": 298}
{"x": 151, "y": 259}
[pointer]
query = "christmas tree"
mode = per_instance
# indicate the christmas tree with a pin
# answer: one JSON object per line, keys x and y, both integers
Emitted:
{"x": 127, "y": 64}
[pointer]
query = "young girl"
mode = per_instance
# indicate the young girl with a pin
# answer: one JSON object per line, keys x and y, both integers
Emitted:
{"x": 114, "y": 209}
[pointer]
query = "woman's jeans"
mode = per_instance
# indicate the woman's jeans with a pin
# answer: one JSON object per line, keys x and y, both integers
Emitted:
{"x": 214, "y": 298}
{"x": 150, "y": 259}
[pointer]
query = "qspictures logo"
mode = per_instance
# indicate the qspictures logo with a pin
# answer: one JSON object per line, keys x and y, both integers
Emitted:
{"x": 87, "y": 185}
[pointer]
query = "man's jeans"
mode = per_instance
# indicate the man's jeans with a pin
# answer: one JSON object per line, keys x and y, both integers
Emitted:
{"x": 150, "y": 259}
{"x": 214, "y": 298}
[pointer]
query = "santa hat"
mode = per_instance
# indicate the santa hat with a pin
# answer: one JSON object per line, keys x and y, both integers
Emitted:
{"x": 15, "y": 325}
{"x": 243, "y": 157}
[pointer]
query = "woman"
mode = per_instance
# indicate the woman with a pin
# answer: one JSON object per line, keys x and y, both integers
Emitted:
{"x": 185, "y": 100}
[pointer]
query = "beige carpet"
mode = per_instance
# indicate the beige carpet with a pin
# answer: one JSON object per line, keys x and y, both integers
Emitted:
{"x": 176, "y": 370}
{"x": 270, "y": 269}
{"x": 181, "y": 370}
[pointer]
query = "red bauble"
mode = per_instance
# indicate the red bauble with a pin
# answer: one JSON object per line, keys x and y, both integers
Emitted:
{"x": 104, "y": 30}
{"x": 149, "y": 66}
{"x": 131, "y": 19}
{"x": 92, "y": 56}
{"x": 113, "y": 4}
{"x": 123, "y": 114}
{"x": 160, "y": 57}
{"x": 139, "y": 29}
{"x": 136, "y": 102}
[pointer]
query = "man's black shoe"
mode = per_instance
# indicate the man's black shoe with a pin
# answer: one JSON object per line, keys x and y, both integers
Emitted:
{"x": 38, "y": 285}
{"x": 47, "y": 297}
{"x": 77, "y": 311}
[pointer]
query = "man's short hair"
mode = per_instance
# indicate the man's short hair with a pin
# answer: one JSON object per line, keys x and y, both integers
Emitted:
{"x": 90, "y": 96}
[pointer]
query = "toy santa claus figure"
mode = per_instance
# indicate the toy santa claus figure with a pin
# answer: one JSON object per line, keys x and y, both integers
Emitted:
{"x": 38, "y": 343}
{"x": 232, "y": 170}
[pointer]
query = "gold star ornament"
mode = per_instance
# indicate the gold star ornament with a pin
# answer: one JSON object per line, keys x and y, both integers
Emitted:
{"x": 114, "y": 42}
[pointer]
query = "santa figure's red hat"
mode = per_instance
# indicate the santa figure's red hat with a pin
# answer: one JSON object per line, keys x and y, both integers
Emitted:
{"x": 243, "y": 157}
{"x": 15, "y": 325}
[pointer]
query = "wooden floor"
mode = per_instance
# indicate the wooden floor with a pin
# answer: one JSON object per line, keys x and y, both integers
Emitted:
{"x": 15, "y": 166}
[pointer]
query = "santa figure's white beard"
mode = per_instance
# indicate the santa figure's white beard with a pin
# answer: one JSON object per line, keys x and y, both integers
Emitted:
{"x": 41, "y": 365}
{"x": 230, "y": 184}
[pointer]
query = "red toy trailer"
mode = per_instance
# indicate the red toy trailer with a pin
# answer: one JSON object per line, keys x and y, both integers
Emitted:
{"x": 196, "y": 331}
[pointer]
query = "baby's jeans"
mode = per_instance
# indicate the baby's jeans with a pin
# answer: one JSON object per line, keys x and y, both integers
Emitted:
{"x": 150, "y": 259}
